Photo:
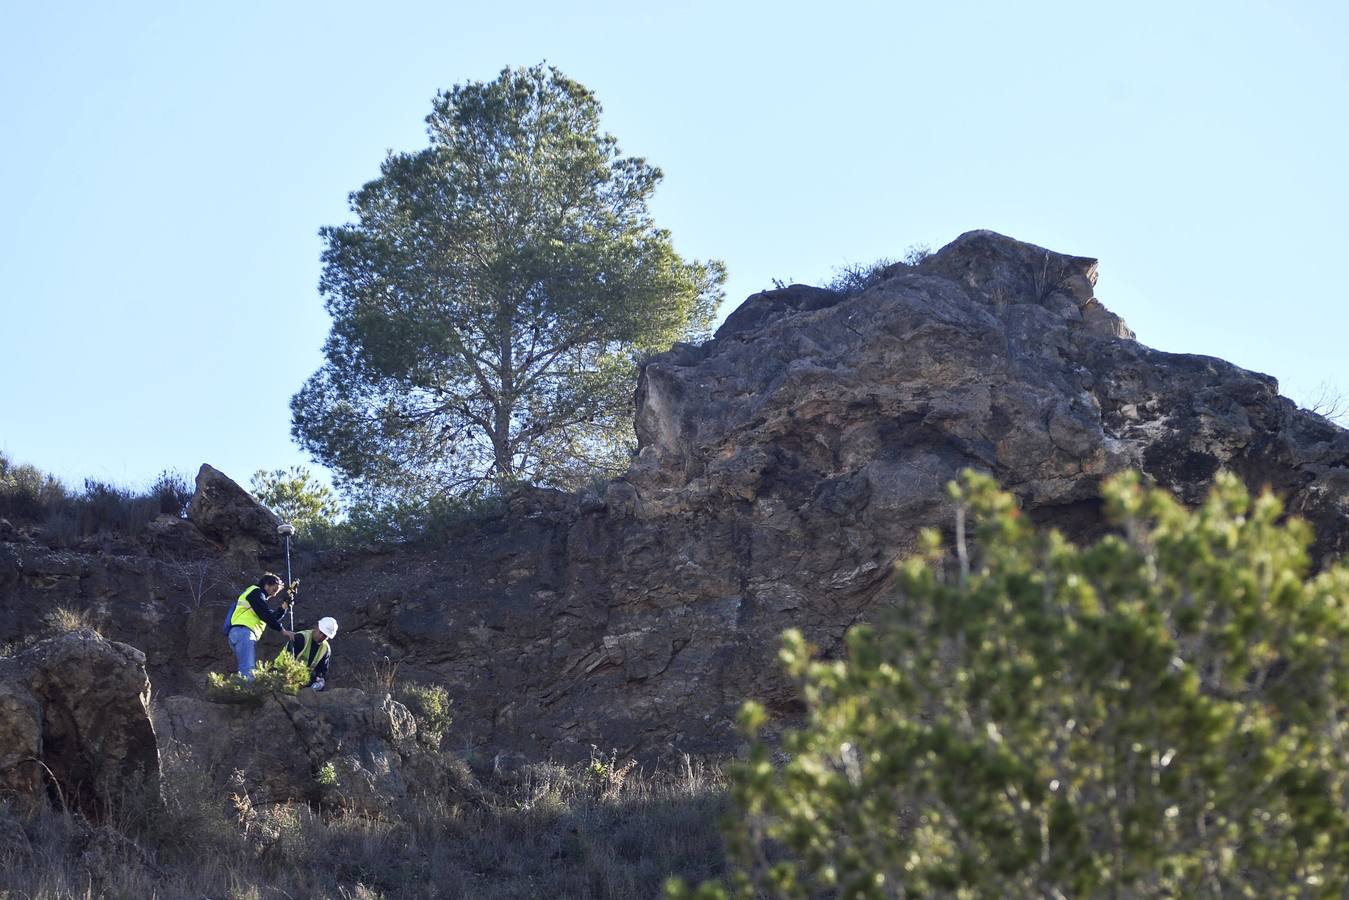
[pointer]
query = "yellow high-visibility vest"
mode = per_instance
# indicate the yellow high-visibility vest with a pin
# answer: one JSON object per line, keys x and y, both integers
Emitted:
{"x": 245, "y": 616}
{"x": 319, "y": 657}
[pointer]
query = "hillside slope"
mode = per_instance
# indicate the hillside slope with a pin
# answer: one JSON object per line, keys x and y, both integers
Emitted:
{"x": 784, "y": 467}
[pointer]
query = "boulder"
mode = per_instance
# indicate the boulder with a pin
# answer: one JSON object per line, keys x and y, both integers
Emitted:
{"x": 74, "y": 723}
{"x": 226, "y": 513}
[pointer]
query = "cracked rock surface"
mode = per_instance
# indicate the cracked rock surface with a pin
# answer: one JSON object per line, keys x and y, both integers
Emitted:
{"x": 74, "y": 723}
{"x": 274, "y": 749}
{"x": 784, "y": 467}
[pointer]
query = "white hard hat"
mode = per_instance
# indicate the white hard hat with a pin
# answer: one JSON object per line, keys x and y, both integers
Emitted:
{"x": 328, "y": 625}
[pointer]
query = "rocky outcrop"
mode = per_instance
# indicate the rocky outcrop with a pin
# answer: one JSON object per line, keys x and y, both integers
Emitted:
{"x": 992, "y": 353}
{"x": 74, "y": 725}
{"x": 224, "y": 512}
{"x": 784, "y": 467}
{"x": 341, "y": 747}
{"x": 787, "y": 464}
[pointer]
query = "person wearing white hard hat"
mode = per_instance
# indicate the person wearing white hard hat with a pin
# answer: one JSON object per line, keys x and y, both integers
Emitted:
{"x": 313, "y": 647}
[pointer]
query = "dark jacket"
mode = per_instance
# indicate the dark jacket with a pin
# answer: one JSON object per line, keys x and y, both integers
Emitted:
{"x": 296, "y": 647}
{"x": 258, "y": 600}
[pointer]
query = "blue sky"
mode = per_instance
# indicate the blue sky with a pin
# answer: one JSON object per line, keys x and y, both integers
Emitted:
{"x": 167, "y": 167}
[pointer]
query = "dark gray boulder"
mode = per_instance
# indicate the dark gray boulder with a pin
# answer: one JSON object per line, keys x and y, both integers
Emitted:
{"x": 74, "y": 723}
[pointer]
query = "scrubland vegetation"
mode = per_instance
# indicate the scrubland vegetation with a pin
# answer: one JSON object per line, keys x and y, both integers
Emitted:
{"x": 1162, "y": 713}
{"x": 60, "y": 515}
{"x": 29, "y": 496}
{"x": 551, "y": 831}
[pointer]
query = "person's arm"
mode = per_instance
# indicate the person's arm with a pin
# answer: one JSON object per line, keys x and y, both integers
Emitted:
{"x": 319, "y": 675}
{"x": 257, "y": 600}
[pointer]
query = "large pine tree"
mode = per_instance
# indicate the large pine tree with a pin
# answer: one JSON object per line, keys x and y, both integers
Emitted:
{"x": 490, "y": 299}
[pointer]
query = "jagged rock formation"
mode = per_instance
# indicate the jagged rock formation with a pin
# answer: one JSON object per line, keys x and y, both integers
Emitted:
{"x": 74, "y": 723}
{"x": 279, "y": 746}
{"x": 784, "y": 467}
{"x": 228, "y": 514}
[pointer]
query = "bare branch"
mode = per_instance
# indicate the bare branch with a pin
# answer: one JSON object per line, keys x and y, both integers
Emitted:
{"x": 1328, "y": 402}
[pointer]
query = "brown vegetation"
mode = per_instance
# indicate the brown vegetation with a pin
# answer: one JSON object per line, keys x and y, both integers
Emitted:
{"x": 29, "y": 496}
{"x": 551, "y": 831}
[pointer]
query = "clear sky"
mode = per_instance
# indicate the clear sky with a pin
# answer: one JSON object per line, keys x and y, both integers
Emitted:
{"x": 167, "y": 167}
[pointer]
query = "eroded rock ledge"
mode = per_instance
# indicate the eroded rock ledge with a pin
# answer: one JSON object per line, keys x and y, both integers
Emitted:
{"x": 784, "y": 467}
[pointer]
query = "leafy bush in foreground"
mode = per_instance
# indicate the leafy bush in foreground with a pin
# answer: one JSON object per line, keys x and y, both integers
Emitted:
{"x": 1160, "y": 714}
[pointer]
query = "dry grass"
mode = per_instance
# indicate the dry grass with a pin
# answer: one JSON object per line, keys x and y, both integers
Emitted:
{"x": 555, "y": 831}
{"x": 62, "y": 620}
{"x": 65, "y": 516}
{"x": 378, "y": 676}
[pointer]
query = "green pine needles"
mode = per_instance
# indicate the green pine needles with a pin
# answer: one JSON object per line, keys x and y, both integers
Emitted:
{"x": 1162, "y": 713}
{"x": 284, "y": 675}
{"x": 491, "y": 298}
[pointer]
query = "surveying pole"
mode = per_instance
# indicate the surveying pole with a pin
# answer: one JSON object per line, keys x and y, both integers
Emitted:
{"x": 286, "y": 530}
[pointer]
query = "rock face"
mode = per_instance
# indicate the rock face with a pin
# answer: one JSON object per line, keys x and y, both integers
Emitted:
{"x": 784, "y": 467}
{"x": 74, "y": 723}
{"x": 276, "y": 749}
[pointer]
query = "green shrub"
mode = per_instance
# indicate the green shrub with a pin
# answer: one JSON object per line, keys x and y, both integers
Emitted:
{"x": 430, "y": 705}
{"x": 26, "y": 492}
{"x": 284, "y": 675}
{"x": 172, "y": 493}
{"x": 1163, "y": 713}
{"x": 326, "y": 776}
{"x": 297, "y": 497}
{"x": 408, "y": 520}
{"x": 606, "y": 775}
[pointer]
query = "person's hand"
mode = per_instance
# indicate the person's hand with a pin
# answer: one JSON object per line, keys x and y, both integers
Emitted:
{"x": 290, "y": 635}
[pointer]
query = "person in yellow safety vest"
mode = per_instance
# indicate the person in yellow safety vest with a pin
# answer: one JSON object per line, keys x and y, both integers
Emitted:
{"x": 250, "y": 616}
{"x": 314, "y": 648}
